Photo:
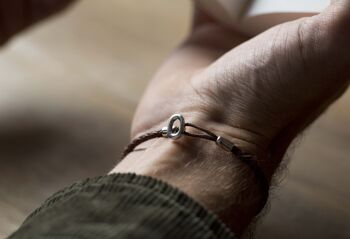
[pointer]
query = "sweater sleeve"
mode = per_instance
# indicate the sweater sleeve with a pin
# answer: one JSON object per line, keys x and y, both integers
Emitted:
{"x": 121, "y": 206}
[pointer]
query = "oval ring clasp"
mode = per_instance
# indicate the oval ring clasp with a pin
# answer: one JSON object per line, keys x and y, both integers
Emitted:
{"x": 175, "y": 132}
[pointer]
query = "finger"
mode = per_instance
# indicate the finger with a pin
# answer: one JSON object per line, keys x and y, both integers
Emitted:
{"x": 207, "y": 41}
{"x": 200, "y": 17}
{"x": 203, "y": 46}
{"x": 334, "y": 21}
{"x": 38, "y": 9}
{"x": 19, "y": 14}
{"x": 315, "y": 48}
{"x": 327, "y": 35}
{"x": 339, "y": 10}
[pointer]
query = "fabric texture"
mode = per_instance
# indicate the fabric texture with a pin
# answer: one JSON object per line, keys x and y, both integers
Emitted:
{"x": 121, "y": 206}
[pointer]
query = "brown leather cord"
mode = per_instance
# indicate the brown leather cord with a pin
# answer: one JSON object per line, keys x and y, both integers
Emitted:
{"x": 213, "y": 137}
{"x": 139, "y": 140}
{"x": 246, "y": 158}
{"x": 210, "y": 135}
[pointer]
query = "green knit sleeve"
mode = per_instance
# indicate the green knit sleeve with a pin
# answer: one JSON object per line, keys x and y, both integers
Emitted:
{"x": 121, "y": 206}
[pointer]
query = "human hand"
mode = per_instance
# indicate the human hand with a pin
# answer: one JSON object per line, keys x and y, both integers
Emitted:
{"x": 19, "y": 14}
{"x": 260, "y": 94}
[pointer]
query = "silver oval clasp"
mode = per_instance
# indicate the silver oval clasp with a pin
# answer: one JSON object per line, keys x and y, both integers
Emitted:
{"x": 173, "y": 132}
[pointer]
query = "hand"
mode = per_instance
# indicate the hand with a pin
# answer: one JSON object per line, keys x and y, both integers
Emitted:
{"x": 260, "y": 94}
{"x": 19, "y": 14}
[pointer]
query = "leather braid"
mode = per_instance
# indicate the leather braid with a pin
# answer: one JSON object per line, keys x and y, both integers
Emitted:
{"x": 135, "y": 142}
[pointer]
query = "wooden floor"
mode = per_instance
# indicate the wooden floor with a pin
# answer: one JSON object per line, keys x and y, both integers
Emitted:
{"x": 68, "y": 89}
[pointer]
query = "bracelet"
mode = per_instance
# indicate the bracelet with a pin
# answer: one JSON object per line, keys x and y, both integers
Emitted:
{"x": 175, "y": 132}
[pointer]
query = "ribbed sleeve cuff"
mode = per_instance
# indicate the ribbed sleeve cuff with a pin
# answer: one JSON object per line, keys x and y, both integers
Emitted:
{"x": 128, "y": 206}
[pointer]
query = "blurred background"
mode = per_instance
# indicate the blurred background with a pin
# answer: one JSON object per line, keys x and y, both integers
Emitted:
{"x": 69, "y": 87}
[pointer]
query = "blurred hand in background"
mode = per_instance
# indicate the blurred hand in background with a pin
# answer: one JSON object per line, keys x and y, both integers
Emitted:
{"x": 17, "y": 15}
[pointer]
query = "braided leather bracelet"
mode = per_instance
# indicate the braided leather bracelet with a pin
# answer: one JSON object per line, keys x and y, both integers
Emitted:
{"x": 173, "y": 132}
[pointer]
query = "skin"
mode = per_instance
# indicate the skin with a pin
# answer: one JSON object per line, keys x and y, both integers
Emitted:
{"x": 259, "y": 93}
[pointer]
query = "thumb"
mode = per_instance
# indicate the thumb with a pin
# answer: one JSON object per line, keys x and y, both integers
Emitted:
{"x": 333, "y": 23}
{"x": 324, "y": 40}
{"x": 340, "y": 6}
{"x": 337, "y": 15}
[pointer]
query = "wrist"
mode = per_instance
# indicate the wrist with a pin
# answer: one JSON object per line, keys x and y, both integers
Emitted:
{"x": 207, "y": 173}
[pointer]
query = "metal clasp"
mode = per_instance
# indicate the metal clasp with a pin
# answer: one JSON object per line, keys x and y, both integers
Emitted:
{"x": 173, "y": 132}
{"x": 225, "y": 143}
